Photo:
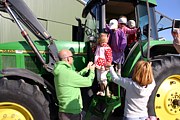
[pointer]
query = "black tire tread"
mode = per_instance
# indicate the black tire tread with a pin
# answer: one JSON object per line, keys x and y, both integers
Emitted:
{"x": 164, "y": 67}
{"x": 26, "y": 95}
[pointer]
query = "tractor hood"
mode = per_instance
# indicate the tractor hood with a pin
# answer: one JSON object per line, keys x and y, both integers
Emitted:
{"x": 25, "y": 15}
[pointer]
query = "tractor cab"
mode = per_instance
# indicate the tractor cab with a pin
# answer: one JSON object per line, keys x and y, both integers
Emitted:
{"x": 144, "y": 14}
{"x": 149, "y": 46}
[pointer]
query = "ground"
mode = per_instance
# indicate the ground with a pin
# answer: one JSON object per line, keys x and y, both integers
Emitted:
{"x": 112, "y": 117}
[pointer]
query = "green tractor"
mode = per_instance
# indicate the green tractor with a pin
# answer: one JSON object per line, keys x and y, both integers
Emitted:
{"x": 26, "y": 81}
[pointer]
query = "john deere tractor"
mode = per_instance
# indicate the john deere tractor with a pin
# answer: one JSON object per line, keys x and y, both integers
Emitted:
{"x": 26, "y": 81}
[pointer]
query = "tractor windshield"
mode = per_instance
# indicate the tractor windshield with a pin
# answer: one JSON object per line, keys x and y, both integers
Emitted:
{"x": 159, "y": 23}
{"x": 144, "y": 21}
{"x": 164, "y": 25}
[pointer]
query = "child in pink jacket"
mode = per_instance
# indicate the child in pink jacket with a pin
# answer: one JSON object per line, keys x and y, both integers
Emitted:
{"x": 103, "y": 60}
{"x": 131, "y": 38}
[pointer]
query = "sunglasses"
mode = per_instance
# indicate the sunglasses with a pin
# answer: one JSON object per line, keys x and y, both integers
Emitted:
{"x": 71, "y": 56}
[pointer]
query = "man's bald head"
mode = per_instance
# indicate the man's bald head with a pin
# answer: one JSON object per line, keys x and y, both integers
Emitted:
{"x": 65, "y": 55}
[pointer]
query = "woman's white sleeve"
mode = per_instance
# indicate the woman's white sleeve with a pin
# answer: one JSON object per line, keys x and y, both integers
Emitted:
{"x": 124, "y": 82}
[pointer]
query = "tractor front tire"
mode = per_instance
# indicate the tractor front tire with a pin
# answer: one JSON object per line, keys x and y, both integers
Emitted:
{"x": 164, "y": 101}
{"x": 22, "y": 101}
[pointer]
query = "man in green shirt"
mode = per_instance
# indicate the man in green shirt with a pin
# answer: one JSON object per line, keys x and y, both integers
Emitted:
{"x": 68, "y": 83}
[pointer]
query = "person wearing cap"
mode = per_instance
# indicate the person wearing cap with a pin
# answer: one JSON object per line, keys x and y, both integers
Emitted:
{"x": 117, "y": 42}
{"x": 122, "y": 24}
{"x": 103, "y": 60}
{"x": 131, "y": 38}
{"x": 176, "y": 42}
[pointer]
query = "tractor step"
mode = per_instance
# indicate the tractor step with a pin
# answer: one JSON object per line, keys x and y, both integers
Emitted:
{"x": 102, "y": 106}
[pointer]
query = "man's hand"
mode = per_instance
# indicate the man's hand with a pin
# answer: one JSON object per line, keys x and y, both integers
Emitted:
{"x": 90, "y": 66}
{"x": 108, "y": 65}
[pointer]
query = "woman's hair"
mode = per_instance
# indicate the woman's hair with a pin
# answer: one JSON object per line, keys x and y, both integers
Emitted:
{"x": 102, "y": 38}
{"x": 143, "y": 74}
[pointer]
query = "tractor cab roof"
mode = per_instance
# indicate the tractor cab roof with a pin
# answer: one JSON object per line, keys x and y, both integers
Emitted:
{"x": 91, "y": 3}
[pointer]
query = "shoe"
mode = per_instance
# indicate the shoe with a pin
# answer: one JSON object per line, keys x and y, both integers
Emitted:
{"x": 101, "y": 93}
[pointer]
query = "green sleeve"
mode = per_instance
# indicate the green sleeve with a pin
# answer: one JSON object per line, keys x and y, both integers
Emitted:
{"x": 80, "y": 81}
{"x": 56, "y": 69}
{"x": 83, "y": 71}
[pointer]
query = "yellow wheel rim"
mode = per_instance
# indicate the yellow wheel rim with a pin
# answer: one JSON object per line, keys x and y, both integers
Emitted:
{"x": 13, "y": 111}
{"x": 167, "y": 101}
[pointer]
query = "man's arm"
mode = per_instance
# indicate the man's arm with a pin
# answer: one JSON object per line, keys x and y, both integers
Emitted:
{"x": 83, "y": 71}
{"x": 80, "y": 81}
{"x": 86, "y": 69}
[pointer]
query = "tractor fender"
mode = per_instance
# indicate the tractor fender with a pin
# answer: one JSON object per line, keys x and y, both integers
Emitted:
{"x": 23, "y": 73}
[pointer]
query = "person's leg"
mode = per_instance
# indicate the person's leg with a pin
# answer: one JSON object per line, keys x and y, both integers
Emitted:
{"x": 98, "y": 74}
{"x": 102, "y": 85}
{"x": 107, "y": 88}
{"x": 100, "y": 82}
{"x": 119, "y": 69}
{"x": 105, "y": 82}
{"x": 115, "y": 66}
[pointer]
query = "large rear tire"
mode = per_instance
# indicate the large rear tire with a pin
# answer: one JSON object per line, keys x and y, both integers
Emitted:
{"x": 22, "y": 101}
{"x": 165, "y": 99}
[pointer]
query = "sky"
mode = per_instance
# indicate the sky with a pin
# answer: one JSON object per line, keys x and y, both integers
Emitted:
{"x": 170, "y": 8}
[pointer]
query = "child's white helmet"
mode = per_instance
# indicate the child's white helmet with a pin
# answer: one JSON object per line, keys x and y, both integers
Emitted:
{"x": 123, "y": 20}
{"x": 113, "y": 24}
{"x": 131, "y": 24}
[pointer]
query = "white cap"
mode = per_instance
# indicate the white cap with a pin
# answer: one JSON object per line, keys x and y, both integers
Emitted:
{"x": 122, "y": 19}
{"x": 113, "y": 24}
{"x": 131, "y": 23}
